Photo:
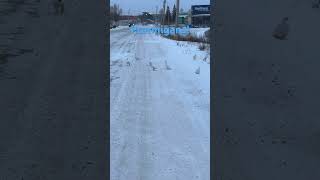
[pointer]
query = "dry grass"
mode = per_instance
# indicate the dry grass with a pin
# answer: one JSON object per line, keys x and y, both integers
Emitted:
{"x": 202, "y": 46}
{"x": 188, "y": 38}
{"x": 203, "y": 41}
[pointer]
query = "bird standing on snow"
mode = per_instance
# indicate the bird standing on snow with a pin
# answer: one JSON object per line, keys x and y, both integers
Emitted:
{"x": 167, "y": 66}
{"x": 198, "y": 71}
{"x": 151, "y": 65}
{"x": 282, "y": 30}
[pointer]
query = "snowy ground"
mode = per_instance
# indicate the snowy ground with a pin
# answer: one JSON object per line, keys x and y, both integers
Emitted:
{"x": 160, "y": 125}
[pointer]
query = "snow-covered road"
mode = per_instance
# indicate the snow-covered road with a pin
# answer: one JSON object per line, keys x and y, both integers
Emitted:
{"x": 160, "y": 125}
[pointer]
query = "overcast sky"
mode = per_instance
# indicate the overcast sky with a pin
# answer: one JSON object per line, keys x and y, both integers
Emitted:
{"x": 138, "y": 6}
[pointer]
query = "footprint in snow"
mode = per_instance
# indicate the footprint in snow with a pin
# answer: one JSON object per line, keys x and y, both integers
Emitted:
{"x": 114, "y": 78}
{"x": 114, "y": 62}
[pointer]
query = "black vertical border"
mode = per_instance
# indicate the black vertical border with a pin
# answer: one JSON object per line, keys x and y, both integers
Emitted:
{"x": 107, "y": 42}
{"x": 213, "y": 162}
{"x": 264, "y": 157}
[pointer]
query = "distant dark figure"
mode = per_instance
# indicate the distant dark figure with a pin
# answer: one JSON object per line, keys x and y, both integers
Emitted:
{"x": 282, "y": 30}
{"x": 316, "y": 4}
{"x": 59, "y": 7}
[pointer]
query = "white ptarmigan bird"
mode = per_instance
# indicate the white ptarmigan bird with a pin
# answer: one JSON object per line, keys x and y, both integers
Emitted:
{"x": 198, "y": 71}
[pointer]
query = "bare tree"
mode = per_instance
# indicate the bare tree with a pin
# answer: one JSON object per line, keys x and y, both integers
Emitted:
{"x": 115, "y": 12}
{"x": 163, "y": 15}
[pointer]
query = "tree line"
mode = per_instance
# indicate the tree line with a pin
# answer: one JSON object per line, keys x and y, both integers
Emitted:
{"x": 169, "y": 16}
{"x": 115, "y": 12}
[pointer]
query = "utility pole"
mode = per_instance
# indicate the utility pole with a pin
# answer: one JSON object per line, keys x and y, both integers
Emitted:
{"x": 129, "y": 15}
{"x": 164, "y": 12}
{"x": 156, "y": 18}
{"x": 168, "y": 19}
{"x": 177, "y": 13}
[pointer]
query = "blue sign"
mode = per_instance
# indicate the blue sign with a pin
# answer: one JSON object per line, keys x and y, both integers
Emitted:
{"x": 166, "y": 31}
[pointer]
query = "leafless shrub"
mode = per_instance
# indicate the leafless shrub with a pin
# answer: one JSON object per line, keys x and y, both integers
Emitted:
{"x": 195, "y": 57}
{"x": 188, "y": 38}
{"x": 202, "y": 47}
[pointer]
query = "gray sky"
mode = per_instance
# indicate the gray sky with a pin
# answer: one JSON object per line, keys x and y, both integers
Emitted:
{"x": 138, "y": 6}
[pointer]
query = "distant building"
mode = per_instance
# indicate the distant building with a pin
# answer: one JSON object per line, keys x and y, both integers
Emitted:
{"x": 146, "y": 18}
{"x": 157, "y": 17}
{"x": 183, "y": 19}
{"x": 127, "y": 17}
{"x": 200, "y": 15}
{"x": 126, "y": 20}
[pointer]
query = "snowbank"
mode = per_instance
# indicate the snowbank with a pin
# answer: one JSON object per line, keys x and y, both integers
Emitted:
{"x": 198, "y": 32}
{"x": 186, "y": 58}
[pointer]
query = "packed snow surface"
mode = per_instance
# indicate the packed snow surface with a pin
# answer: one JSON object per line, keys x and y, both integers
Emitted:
{"x": 160, "y": 101}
